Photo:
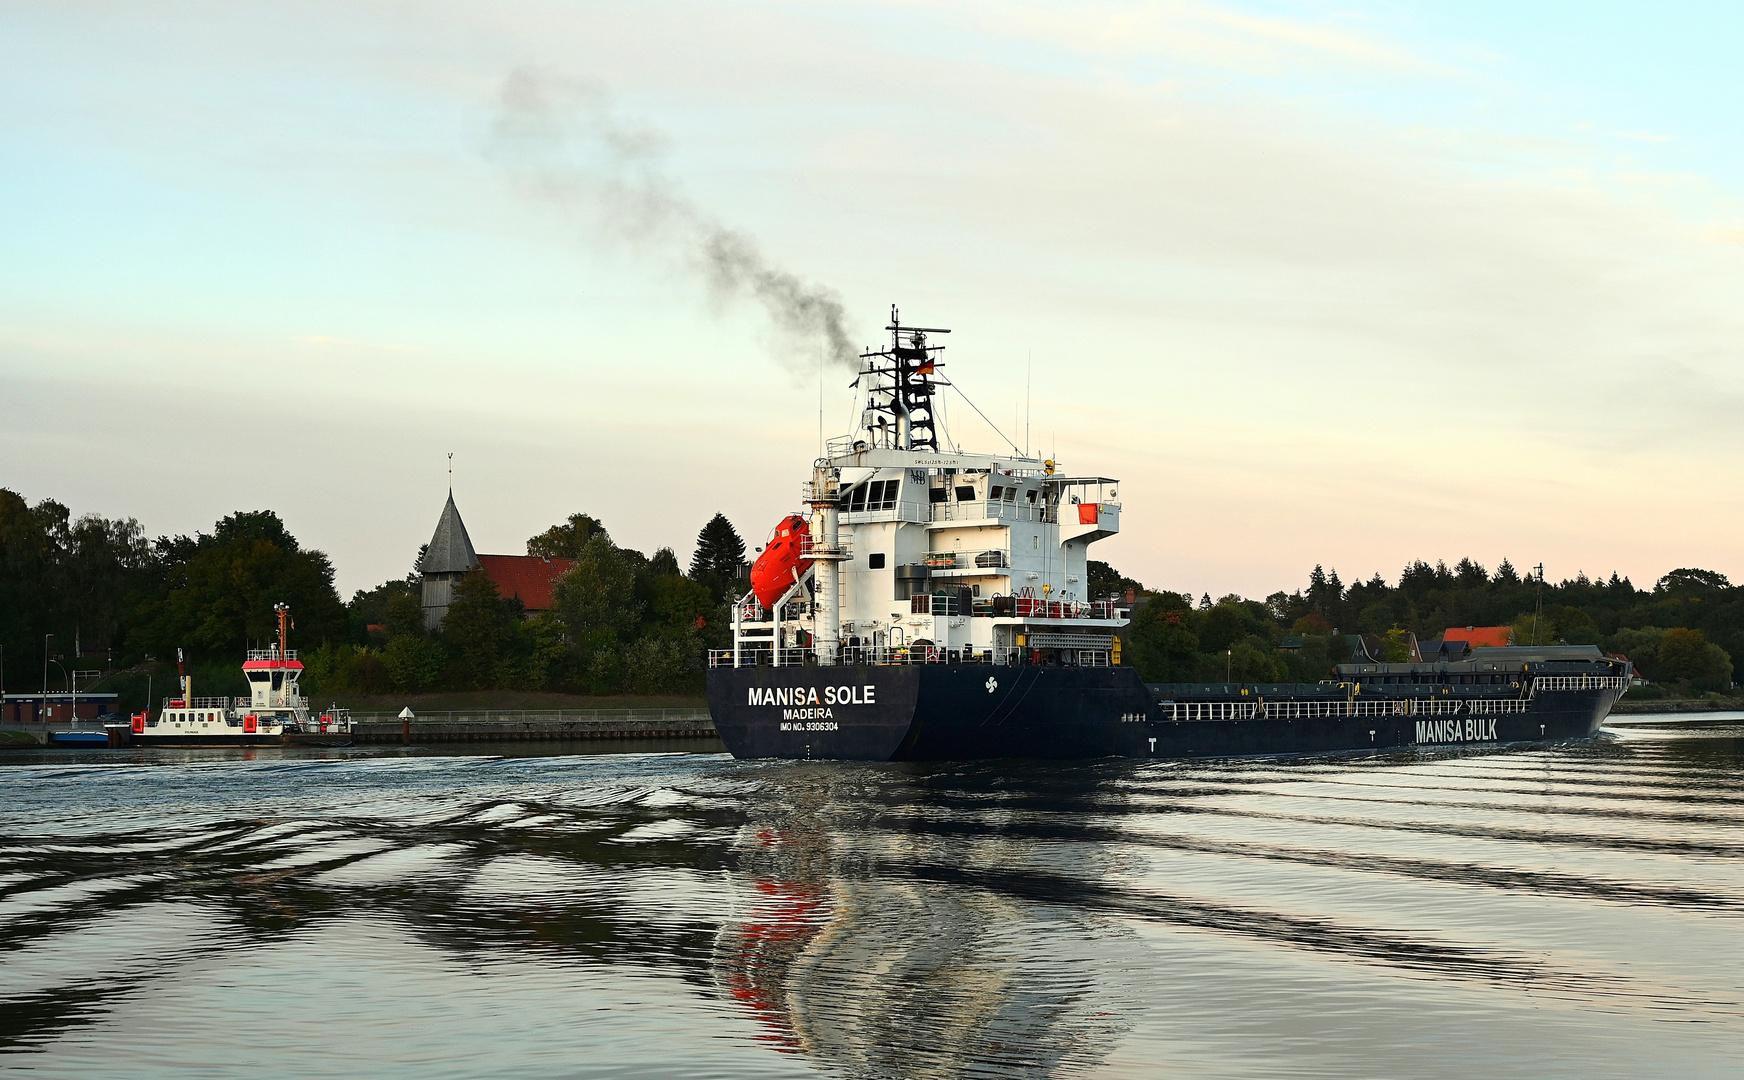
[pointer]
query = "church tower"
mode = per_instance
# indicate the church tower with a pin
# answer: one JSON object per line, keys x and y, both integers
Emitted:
{"x": 449, "y": 556}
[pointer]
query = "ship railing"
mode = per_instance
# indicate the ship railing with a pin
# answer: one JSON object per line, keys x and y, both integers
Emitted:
{"x": 1016, "y": 655}
{"x": 900, "y": 655}
{"x": 991, "y": 509}
{"x": 945, "y": 604}
{"x": 271, "y": 654}
{"x": 810, "y": 547}
{"x": 990, "y": 559}
{"x": 1492, "y": 706}
{"x": 1030, "y": 607}
{"x": 1302, "y": 710}
{"x": 1198, "y": 711}
{"x": 331, "y": 720}
{"x": 760, "y": 656}
{"x": 1579, "y": 682}
{"x": 199, "y": 703}
{"x": 902, "y": 511}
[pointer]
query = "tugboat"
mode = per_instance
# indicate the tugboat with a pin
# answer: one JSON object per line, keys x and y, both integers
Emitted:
{"x": 934, "y": 605}
{"x": 274, "y": 714}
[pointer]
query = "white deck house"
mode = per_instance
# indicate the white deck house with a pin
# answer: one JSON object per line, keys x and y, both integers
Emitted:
{"x": 922, "y": 555}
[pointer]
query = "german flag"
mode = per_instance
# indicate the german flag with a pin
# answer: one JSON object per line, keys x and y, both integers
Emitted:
{"x": 926, "y": 367}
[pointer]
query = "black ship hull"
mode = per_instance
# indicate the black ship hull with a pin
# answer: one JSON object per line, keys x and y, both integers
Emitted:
{"x": 942, "y": 712}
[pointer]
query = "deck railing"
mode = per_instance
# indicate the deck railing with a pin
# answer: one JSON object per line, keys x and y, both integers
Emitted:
{"x": 1579, "y": 682}
{"x": 271, "y": 654}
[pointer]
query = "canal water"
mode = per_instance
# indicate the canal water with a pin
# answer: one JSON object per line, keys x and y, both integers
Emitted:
{"x": 1563, "y": 911}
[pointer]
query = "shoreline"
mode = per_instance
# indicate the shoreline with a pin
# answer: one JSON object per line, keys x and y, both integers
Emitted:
{"x": 1626, "y": 707}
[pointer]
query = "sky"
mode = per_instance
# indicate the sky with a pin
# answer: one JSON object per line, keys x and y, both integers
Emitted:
{"x": 1345, "y": 284}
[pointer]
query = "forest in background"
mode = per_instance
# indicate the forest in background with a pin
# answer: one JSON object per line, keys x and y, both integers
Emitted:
{"x": 109, "y": 599}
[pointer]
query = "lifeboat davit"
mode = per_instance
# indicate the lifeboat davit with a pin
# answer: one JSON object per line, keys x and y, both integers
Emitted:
{"x": 782, "y": 562}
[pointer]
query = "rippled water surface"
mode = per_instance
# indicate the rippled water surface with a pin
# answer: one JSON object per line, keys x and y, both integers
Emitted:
{"x": 1569, "y": 911}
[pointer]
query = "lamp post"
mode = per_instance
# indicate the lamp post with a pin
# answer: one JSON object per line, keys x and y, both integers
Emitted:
{"x": 68, "y": 674}
{"x": 45, "y": 638}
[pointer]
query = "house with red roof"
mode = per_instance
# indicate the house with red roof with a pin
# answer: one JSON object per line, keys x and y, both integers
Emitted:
{"x": 531, "y": 579}
{"x": 1480, "y": 637}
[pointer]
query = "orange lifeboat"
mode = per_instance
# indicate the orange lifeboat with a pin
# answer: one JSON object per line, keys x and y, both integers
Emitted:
{"x": 782, "y": 562}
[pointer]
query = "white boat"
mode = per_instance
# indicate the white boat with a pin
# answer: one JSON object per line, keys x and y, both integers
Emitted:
{"x": 275, "y": 713}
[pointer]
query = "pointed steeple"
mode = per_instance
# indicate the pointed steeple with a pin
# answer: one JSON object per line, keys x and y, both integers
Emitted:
{"x": 450, "y": 550}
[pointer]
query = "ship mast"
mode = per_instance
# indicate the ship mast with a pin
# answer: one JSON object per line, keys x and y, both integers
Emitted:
{"x": 284, "y": 612}
{"x": 900, "y": 387}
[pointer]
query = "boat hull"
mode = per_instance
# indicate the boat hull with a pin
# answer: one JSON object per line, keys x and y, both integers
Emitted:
{"x": 941, "y": 712}
{"x": 200, "y": 741}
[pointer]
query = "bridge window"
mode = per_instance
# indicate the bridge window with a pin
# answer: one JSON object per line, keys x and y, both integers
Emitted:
{"x": 881, "y": 494}
{"x": 965, "y": 493}
{"x": 938, "y": 494}
{"x": 995, "y": 492}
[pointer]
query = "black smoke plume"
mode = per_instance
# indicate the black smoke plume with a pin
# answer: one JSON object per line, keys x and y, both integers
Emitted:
{"x": 562, "y": 141}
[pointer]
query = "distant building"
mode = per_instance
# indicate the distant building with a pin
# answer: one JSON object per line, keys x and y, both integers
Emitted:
{"x": 57, "y": 708}
{"x": 1444, "y": 650}
{"x": 450, "y": 556}
{"x": 1480, "y": 637}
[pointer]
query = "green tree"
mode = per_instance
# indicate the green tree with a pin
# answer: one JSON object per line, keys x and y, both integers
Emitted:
{"x": 662, "y": 666}
{"x": 540, "y": 655}
{"x": 1687, "y": 655}
{"x": 221, "y": 599}
{"x": 567, "y": 540}
{"x": 1376, "y": 619}
{"x": 719, "y": 551}
{"x": 596, "y": 602}
{"x": 479, "y": 631}
{"x": 1104, "y": 582}
{"x": 1163, "y": 646}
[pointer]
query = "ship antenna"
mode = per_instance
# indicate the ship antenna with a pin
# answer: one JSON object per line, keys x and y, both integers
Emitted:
{"x": 1538, "y": 615}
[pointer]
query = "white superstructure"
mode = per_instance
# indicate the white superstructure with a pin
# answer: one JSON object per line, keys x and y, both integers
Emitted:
{"x": 917, "y": 554}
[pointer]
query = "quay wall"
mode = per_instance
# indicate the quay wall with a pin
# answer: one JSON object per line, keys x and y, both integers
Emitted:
{"x": 520, "y": 725}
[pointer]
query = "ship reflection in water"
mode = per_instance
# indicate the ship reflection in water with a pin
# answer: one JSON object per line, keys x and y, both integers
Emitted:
{"x": 853, "y": 952}
{"x": 1538, "y": 912}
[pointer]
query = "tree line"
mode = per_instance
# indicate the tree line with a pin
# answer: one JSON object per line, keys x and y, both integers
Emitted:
{"x": 1683, "y": 632}
{"x": 96, "y": 593}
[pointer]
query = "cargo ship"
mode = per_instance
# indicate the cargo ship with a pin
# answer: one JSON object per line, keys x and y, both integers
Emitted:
{"x": 934, "y": 604}
{"x": 275, "y": 712}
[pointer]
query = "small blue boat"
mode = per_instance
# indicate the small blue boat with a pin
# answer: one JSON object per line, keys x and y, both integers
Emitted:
{"x": 79, "y": 737}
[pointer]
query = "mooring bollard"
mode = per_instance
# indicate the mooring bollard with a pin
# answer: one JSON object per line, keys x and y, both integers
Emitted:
{"x": 406, "y": 726}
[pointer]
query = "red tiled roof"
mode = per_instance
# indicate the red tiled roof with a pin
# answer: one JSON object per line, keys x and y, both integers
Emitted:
{"x": 528, "y": 577}
{"x": 1479, "y": 637}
